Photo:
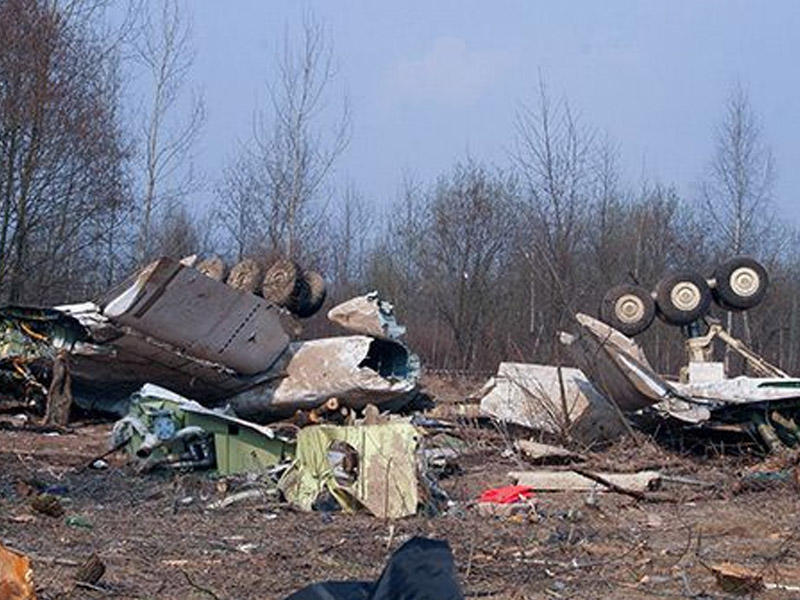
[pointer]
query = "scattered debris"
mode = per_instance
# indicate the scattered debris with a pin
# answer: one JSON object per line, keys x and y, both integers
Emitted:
{"x": 507, "y": 511}
{"x": 768, "y": 406}
{"x": 761, "y": 480}
{"x": 356, "y": 370}
{"x": 252, "y": 494}
{"x": 507, "y": 495}
{"x": 164, "y": 429}
{"x": 544, "y": 480}
{"x": 182, "y": 328}
{"x": 91, "y": 570}
{"x": 310, "y": 423}
{"x": 47, "y": 504}
{"x": 78, "y": 522}
{"x": 367, "y": 315}
{"x": 737, "y": 579}
{"x": 545, "y": 453}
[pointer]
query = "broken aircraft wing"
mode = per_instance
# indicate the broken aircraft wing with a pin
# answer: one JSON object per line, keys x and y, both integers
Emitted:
{"x": 617, "y": 366}
{"x": 204, "y": 317}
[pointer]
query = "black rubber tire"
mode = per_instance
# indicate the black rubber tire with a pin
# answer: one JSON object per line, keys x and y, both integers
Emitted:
{"x": 668, "y": 311}
{"x": 245, "y": 276}
{"x": 280, "y": 281}
{"x": 213, "y": 267}
{"x": 284, "y": 285}
{"x": 317, "y": 292}
{"x": 610, "y": 309}
{"x": 724, "y": 293}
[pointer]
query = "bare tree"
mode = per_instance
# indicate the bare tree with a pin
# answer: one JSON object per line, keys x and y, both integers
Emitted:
{"x": 607, "y": 199}
{"x": 239, "y": 209}
{"x": 164, "y": 50}
{"x": 351, "y": 236}
{"x": 554, "y": 154}
{"x": 468, "y": 232}
{"x": 179, "y": 233}
{"x": 295, "y": 151}
{"x": 393, "y": 263}
{"x": 61, "y": 148}
{"x": 738, "y": 188}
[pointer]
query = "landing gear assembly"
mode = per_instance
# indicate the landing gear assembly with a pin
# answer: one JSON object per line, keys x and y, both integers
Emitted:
{"x": 685, "y": 297}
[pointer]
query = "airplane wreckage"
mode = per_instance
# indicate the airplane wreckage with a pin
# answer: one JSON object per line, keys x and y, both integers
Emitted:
{"x": 183, "y": 329}
{"x": 615, "y": 386}
{"x": 196, "y": 366}
{"x": 205, "y": 373}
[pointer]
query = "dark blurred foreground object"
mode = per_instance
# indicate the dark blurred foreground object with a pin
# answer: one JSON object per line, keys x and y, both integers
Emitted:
{"x": 422, "y": 569}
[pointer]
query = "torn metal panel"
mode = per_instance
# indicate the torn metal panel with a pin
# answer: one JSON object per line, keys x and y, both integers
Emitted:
{"x": 91, "y": 316}
{"x": 174, "y": 326}
{"x": 614, "y": 339}
{"x": 137, "y": 359}
{"x": 203, "y": 317}
{"x": 617, "y": 366}
{"x": 768, "y": 407}
{"x": 357, "y": 370}
{"x": 240, "y": 446}
{"x": 538, "y": 452}
{"x": 545, "y": 480}
{"x": 367, "y": 315}
{"x": 165, "y": 428}
{"x": 530, "y": 395}
{"x": 373, "y": 466}
{"x": 743, "y": 389}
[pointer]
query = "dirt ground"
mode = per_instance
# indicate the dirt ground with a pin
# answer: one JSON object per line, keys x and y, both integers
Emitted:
{"x": 158, "y": 538}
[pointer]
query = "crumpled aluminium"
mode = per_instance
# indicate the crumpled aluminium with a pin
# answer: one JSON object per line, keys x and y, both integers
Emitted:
{"x": 381, "y": 476}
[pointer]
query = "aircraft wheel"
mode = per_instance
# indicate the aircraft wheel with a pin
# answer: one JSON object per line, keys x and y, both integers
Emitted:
{"x": 628, "y": 308}
{"x": 682, "y": 297}
{"x": 740, "y": 283}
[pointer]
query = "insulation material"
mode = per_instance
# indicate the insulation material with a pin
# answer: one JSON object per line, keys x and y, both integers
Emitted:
{"x": 373, "y": 466}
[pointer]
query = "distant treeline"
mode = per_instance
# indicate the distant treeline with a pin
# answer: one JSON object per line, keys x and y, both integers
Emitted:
{"x": 485, "y": 263}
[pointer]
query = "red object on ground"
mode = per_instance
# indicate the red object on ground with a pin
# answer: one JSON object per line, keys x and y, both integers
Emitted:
{"x": 507, "y": 495}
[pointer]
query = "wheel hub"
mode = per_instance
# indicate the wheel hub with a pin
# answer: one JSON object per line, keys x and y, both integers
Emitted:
{"x": 744, "y": 281}
{"x": 629, "y": 308}
{"x": 685, "y": 296}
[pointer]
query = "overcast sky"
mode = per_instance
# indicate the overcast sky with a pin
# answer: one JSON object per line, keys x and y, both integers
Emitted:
{"x": 432, "y": 81}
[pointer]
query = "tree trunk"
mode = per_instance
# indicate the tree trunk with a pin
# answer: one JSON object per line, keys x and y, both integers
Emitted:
{"x": 59, "y": 396}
